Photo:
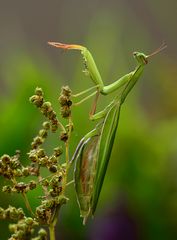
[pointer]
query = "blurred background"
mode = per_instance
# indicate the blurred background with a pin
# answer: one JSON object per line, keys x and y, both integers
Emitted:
{"x": 139, "y": 195}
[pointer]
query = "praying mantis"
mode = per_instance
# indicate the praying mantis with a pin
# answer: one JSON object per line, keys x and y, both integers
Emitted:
{"x": 93, "y": 152}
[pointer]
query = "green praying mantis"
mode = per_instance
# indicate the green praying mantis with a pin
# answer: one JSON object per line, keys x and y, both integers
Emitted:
{"x": 93, "y": 152}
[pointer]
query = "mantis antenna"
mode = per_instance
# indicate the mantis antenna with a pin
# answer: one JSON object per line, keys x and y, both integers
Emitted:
{"x": 161, "y": 48}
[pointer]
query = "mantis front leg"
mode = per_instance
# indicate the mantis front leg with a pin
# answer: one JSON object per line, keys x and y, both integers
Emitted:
{"x": 92, "y": 70}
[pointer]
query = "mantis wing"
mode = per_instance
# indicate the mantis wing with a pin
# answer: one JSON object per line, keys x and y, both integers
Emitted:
{"x": 85, "y": 171}
{"x": 107, "y": 137}
{"x": 92, "y": 156}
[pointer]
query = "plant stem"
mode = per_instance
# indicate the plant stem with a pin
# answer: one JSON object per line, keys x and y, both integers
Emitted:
{"x": 54, "y": 221}
{"x": 27, "y": 203}
{"x": 52, "y": 231}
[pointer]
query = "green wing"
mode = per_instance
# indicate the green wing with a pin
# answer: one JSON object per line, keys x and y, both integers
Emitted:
{"x": 86, "y": 156}
{"x": 106, "y": 142}
{"x": 92, "y": 156}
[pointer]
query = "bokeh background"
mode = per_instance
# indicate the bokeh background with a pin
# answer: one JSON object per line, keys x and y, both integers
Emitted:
{"x": 139, "y": 195}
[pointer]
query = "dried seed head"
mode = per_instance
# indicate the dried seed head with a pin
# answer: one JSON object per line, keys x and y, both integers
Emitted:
{"x": 7, "y": 189}
{"x": 43, "y": 161}
{"x": 20, "y": 187}
{"x": 39, "y": 92}
{"x": 32, "y": 184}
{"x": 53, "y": 160}
{"x": 65, "y": 111}
{"x": 45, "y": 183}
{"x": 58, "y": 151}
{"x": 63, "y": 100}
{"x": 64, "y": 136}
{"x": 36, "y": 100}
{"x": 65, "y": 90}
{"x": 37, "y": 141}
{"x": 41, "y": 153}
{"x": 53, "y": 168}
{"x": 6, "y": 159}
{"x": 42, "y": 232}
{"x": 43, "y": 133}
{"x": 33, "y": 157}
{"x": 25, "y": 171}
{"x": 46, "y": 125}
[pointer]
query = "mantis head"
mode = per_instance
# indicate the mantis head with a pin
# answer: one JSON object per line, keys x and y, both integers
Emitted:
{"x": 142, "y": 59}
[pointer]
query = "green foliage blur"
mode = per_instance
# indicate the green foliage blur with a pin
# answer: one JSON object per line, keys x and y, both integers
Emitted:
{"x": 143, "y": 164}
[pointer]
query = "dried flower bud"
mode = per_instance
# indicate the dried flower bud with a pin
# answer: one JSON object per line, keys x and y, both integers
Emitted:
{"x": 15, "y": 163}
{"x": 25, "y": 171}
{"x": 64, "y": 136}
{"x": 54, "y": 126}
{"x": 32, "y": 184}
{"x": 52, "y": 115}
{"x": 43, "y": 133}
{"x": 33, "y": 157}
{"x": 53, "y": 168}
{"x": 43, "y": 161}
{"x": 20, "y": 187}
{"x": 39, "y": 92}
{"x": 58, "y": 151}
{"x": 65, "y": 90}
{"x": 63, "y": 100}
{"x": 18, "y": 173}
{"x": 53, "y": 159}
{"x": 45, "y": 183}
{"x": 6, "y": 159}
{"x": 41, "y": 153}
{"x": 7, "y": 189}
{"x": 46, "y": 125}
{"x": 36, "y": 142}
{"x": 46, "y": 106}
{"x": 12, "y": 228}
{"x": 29, "y": 221}
{"x": 65, "y": 112}
{"x": 37, "y": 100}
{"x": 42, "y": 232}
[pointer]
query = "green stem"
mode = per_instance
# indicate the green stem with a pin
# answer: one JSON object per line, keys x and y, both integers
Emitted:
{"x": 27, "y": 203}
{"x": 52, "y": 231}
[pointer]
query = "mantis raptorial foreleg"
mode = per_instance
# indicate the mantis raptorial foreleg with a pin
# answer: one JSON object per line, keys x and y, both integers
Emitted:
{"x": 92, "y": 70}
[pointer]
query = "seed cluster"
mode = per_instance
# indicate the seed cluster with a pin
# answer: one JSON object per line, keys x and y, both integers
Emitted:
{"x": 65, "y": 102}
{"x": 45, "y": 108}
{"x": 12, "y": 213}
{"x": 23, "y": 229}
{"x": 12, "y": 169}
{"x": 46, "y": 212}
